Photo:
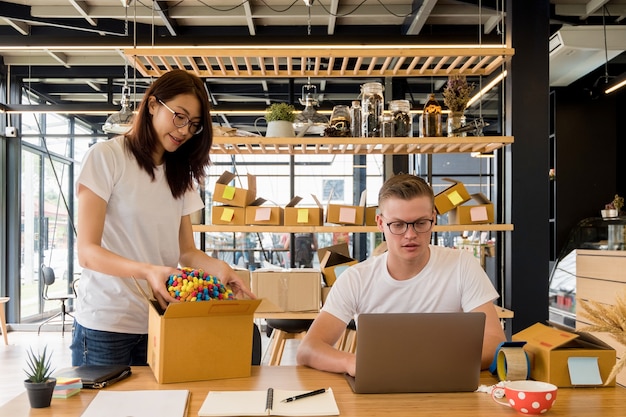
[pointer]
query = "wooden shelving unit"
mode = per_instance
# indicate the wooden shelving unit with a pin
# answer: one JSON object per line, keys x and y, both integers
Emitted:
{"x": 334, "y": 145}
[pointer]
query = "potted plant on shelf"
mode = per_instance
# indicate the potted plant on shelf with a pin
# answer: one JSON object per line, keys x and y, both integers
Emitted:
{"x": 39, "y": 384}
{"x": 280, "y": 118}
{"x": 613, "y": 208}
{"x": 456, "y": 95}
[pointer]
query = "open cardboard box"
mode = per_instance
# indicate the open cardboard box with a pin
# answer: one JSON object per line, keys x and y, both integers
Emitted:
{"x": 304, "y": 216}
{"x": 258, "y": 214}
{"x": 287, "y": 290}
{"x": 566, "y": 359}
{"x": 451, "y": 197}
{"x": 228, "y": 215}
{"x": 333, "y": 261}
{"x": 480, "y": 212}
{"x": 218, "y": 328}
{"x": 345, "y": 214}
{"x": 233, "y": 196}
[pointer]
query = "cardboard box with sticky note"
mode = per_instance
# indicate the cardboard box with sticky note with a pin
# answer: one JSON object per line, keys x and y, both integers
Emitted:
{"x": 479, "y": 210}
{"x": 231, "y": 215}
{"x": 303, "y": 216}
{"x": 333, "y": 262}
{"x": 234, "y": 196}
{"x": 566, "y": 359}
{"x": 451, "y": 197}
{"x": 345, "y": 214}
{"x": 259, "y": 214}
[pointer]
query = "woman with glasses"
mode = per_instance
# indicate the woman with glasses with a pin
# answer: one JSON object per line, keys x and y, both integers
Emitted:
{"x": 135, "y": 196}
{"x": 413, "y": 276}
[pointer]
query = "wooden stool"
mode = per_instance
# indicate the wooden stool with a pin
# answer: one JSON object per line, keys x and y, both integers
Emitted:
{"x": 279, "y": 338}
{"x": 3, "y": 318}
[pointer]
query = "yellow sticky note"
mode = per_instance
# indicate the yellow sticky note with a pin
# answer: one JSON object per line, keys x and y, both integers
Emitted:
{"x": 303, "y": 215}
{"x": 455, "y": 198}
{"x": 227, "y": 215}
{"x": 229, "y": 192}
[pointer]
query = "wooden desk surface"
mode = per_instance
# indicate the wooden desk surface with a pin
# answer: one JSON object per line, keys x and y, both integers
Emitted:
{"x": 588, "y": 402}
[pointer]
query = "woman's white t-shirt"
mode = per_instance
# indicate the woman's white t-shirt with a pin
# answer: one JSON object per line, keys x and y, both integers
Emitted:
{"x": 142, "y": 223}
{"x": 451, "y": 281}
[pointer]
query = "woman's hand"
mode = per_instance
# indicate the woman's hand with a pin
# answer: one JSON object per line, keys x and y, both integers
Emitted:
{"x": 157, "y": 277}
{"x": 236, "y": 284}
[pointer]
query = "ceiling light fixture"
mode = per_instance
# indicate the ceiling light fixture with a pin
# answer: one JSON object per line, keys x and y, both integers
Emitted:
{"x": 616, "y": 85}
{"x": 121, "y": 122}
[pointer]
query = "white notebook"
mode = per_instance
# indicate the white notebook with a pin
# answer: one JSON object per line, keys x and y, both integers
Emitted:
{"x": 268, "y": 403}
{"x": 147, "y": 403}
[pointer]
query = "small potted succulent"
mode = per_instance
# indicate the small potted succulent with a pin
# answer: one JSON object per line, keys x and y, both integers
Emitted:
{"x": 39, "y": 384}
{"x": 280, "y": 118}
{"x": 613, "y": 208}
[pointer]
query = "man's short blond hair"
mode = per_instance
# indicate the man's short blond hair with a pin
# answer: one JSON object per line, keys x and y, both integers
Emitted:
{"x": 405, "y": 187}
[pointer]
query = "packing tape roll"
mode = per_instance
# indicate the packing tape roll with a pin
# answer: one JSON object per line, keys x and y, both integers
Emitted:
{"x": 512, "y": 364}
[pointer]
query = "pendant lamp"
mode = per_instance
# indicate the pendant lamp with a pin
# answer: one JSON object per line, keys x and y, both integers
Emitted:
{"x": 120, "y": 122}
{"x": 309, "y": 120}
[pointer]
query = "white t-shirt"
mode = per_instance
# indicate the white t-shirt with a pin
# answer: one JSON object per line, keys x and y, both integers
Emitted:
{"x": 452, "y": 281}
{"x": 142, "y": 223}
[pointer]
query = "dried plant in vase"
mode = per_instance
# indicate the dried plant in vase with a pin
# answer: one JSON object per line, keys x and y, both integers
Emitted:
{"x": 607, "y": 319}
{"x": 457, "y": 93}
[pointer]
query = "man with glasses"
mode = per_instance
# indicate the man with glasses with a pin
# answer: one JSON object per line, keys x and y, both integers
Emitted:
{"x": 413, "y": 276}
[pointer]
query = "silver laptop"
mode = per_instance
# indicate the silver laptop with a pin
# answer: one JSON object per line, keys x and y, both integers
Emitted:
{"x": 418, "y": 352}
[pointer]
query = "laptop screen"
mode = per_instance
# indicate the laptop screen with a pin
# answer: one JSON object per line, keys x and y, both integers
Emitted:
{"x": 418, "y": 352}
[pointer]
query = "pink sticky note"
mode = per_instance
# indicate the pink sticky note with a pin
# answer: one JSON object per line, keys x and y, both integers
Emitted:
{"x": 479, "y": 214}
{"x": 262, "y": 214}
{"x": 347, "y": 215}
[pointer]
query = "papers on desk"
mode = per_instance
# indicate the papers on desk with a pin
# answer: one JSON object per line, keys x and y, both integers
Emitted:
{"x": 155, "y": 403}
{"x": 254, "y": 403}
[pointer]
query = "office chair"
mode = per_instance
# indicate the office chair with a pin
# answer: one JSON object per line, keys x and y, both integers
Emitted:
{"x": 49, "y": 278}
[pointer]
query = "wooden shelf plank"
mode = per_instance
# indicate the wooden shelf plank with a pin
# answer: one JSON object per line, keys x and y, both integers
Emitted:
{"x": 258, "y": 145}
{"x": 344, "y": 229}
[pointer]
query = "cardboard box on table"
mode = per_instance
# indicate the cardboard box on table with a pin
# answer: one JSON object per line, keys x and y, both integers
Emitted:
{"x": 287, "y": 290}
{"x": 451, "y": 197}
{"x": 258, "y": 214}
{"x": 333, "y": 261}
{"x": 233, "y": 196}
{"x": 566, "y": 359}
{"x": 480, "y": 212}
{"x": 232, "y": 215}
{"x": 198, "y": 341}
{"x": 303, "y": 216}
{"x": 346, "y": 214}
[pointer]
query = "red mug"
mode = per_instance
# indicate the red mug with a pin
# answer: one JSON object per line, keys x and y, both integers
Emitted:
{"x": 527, "y": 397}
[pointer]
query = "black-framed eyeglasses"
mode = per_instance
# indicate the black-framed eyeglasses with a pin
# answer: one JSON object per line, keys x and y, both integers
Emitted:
{"x": 181, "y": 120}
{"x": 420, "y": 226}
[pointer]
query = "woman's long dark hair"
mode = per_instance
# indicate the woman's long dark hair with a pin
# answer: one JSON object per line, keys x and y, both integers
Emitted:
{"x": 190, "y": 161}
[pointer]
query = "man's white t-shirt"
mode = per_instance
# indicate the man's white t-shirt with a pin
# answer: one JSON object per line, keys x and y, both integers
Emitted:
{"x": 142, "y": 223}
{"x": 451, "y": 281}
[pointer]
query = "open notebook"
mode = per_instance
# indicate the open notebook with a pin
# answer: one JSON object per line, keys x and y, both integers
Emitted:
{"x": 418, "y": 352}
{"x": 268, "y": 403}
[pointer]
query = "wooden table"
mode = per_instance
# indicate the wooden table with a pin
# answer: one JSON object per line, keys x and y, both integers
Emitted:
{"x": 588, "y": 402}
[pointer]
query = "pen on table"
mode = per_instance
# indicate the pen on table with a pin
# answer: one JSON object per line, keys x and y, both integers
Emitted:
{"x": 307, "y": 394}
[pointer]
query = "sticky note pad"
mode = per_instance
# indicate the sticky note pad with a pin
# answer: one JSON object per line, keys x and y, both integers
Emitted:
{"x": 227, "y": 215}
{"x": 584, "y": 370}
{"x": 479, "y": 214}
{"x": 303, "y": 215}
{"x": 455, "y": 198}
{"x": 262, "y": 214}
{"x": 229, "y": 192}
{"x": 347, "y": 215}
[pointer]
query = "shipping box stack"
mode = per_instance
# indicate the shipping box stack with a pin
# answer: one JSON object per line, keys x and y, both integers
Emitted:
{"x": 234, "y": 200}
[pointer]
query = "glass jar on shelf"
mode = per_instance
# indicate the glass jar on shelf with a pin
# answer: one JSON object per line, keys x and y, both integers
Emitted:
{"x": 432, "y": 117}
{"x": 372, "y": 104}
{"x": 340, "y": 121}
{"x": 355, "y": 119}
{"x": 402, "y": 119}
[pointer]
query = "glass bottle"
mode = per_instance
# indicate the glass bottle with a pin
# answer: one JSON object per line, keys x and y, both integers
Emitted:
{"x": 356, "y": 122}
{"x": 387, "y": 126}
{"x": 402, "y": 120}
{"x": 432, "y": 117}
{"x": 372, "y": 103}
{"x": 340, "y": 121}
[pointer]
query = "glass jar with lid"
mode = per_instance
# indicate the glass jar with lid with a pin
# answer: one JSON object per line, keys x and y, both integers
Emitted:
{"x": 355, "y": 119}
{"x": 432, "y": 117}
{"x": 372, "y": 104}
{"x": 402, "y": 120}
{"x": 340, "y": 121}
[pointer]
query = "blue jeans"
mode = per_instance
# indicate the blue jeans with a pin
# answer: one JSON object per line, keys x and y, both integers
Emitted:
{"x": 95, "y": 347}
